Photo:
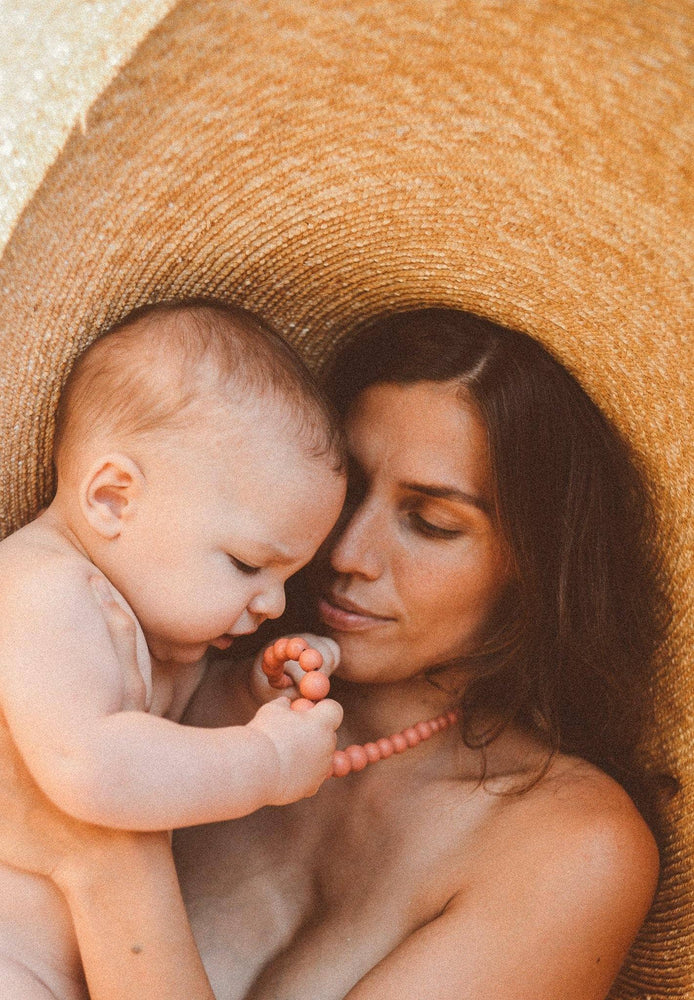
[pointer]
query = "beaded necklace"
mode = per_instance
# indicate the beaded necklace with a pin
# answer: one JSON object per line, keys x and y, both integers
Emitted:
{"x": 314, "y": 687}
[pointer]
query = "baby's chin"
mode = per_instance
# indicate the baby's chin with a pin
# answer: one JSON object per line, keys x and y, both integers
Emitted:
{"x": 174, "y": 653}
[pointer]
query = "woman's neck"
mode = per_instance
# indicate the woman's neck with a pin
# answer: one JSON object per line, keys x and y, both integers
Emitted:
{"x": 375, "y": 710}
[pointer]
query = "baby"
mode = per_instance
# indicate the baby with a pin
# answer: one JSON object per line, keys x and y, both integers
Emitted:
{"x": 197, "y": 469}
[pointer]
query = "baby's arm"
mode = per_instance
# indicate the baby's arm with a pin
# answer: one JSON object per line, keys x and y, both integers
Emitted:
{"x": 121, "y": 889}
{"x": 63, "y": 693}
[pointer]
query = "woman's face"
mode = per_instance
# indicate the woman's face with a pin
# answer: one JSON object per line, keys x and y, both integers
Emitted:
{"x": 410, "y": 576}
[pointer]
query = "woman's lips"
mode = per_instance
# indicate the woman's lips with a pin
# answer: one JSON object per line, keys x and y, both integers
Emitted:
{"x": 345, "y": 616}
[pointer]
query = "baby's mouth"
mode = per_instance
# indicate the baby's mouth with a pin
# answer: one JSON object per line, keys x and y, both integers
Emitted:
{"x": 222, "y": 641}
{"x": 227, "y": 639}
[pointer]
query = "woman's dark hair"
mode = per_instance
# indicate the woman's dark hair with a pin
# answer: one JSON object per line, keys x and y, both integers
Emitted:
{"x": 573, "y": 642}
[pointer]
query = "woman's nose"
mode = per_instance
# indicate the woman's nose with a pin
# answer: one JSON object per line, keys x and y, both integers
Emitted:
{"x": 269, "y": 602}
{"x": 358, "y": 548}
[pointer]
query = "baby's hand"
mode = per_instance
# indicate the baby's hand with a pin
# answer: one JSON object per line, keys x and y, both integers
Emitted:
{"x": 328, "y": 659}
{"x": 304, "y": 742}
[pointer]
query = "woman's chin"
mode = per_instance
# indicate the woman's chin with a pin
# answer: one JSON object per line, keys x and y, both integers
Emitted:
{"x": 360, "y": 665}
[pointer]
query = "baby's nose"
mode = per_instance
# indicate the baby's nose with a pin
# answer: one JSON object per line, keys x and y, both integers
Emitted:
{"x": 269, "y": 603}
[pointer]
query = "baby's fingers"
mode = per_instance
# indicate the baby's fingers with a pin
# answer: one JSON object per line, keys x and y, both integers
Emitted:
{"x": 328, "y": 712}
{"x": 309, "y": 653}
{"x": 329, "y": 650}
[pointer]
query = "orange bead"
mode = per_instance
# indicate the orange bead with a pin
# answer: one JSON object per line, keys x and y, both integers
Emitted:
{"x": 302, "y": 705}
{"x": 271, "y": 675}
{"x": 310, "y": 659}
{"x": 399, "y": 743}
{"x": 435, "y": 725}
{"x": 385, "y": 746}
{"x": 372, "y": 752}
{"x": 341, "y": 764}
{"x": 357, "y": 757}
{"x": 295, "y": 647}
{"x": 271, "y": 668}
{"x": 280, "y": 649}
{"x": 412, "y": 737}
{"x": 452, "y": 717}
{"x": 424, "y": 729}
{"x": 314, "y": 686}
{"x": 442, "y": 721}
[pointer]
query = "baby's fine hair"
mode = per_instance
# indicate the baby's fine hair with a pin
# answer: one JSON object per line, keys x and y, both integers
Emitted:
{"x": 142, "y": 375}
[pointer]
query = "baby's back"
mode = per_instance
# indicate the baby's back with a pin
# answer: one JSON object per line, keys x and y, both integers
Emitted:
{"x": 38, "y": 952}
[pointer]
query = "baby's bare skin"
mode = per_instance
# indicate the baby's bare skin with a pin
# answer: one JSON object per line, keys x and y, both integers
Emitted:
{"x": 103, "y": 740}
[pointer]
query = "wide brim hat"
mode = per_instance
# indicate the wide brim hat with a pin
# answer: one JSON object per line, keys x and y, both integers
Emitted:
{"x": 322, "y": 162}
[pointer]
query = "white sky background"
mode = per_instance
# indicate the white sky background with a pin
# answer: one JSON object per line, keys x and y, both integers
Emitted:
{"x": 56, "y": 56}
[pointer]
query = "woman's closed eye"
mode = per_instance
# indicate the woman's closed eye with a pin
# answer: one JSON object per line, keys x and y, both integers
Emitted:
{"x": 244, "y": 567}
{"x": 426, "y": 528}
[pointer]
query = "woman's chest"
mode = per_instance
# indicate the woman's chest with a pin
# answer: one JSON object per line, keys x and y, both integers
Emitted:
{"x": 301, "y": 902}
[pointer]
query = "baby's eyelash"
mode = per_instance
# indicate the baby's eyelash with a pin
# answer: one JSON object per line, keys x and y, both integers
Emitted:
{"x": 244, "y": 567}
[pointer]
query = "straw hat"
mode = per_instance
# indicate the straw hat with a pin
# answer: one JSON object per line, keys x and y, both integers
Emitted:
{"x": 324, "y": 161}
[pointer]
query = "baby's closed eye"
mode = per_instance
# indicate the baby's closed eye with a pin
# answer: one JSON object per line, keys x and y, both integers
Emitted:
{"x": 244, "y": 567}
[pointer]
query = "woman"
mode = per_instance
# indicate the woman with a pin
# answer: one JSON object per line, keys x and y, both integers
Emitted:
{"x": 490, "y": 561}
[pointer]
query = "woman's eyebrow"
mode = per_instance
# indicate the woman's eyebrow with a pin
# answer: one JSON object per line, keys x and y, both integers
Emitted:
{"x": 450, "y": 493}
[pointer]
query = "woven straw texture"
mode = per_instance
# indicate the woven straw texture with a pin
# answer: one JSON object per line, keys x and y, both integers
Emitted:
{"x": 323, "y": 161}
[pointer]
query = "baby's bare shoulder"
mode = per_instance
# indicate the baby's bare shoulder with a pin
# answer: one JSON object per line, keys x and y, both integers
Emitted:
{"x": 38, "y": 567}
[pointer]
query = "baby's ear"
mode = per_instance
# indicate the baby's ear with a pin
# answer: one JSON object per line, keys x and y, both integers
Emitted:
{"x": 109, "y": 493}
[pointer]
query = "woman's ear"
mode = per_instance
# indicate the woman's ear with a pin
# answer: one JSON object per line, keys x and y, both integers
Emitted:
{"x": 109, "y": 493}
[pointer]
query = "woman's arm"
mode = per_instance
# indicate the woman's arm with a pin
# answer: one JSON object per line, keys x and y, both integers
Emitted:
{"x": 131, "y": 926}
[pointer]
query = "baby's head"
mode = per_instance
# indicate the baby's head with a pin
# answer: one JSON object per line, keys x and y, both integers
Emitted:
{"x": 166, "y": 365}
{"x": 199, "y": 467}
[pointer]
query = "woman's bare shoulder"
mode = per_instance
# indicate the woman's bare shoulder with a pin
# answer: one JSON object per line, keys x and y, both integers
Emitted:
{"x": 584, "y": 801}
{"x": 576, "y": 836}
{"x": 551, "y": 886}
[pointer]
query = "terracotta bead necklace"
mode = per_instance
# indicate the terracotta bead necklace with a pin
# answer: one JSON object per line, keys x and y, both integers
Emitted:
{"x": 314, "y": 687}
